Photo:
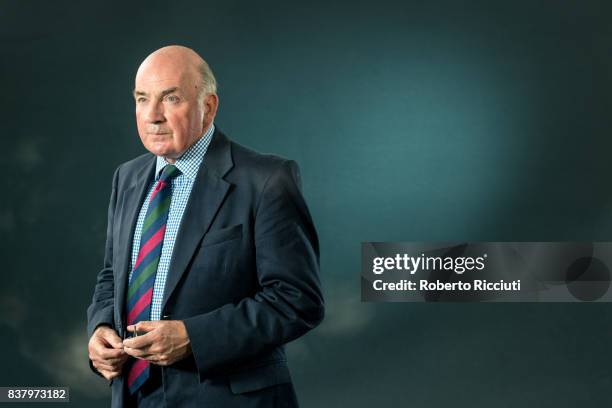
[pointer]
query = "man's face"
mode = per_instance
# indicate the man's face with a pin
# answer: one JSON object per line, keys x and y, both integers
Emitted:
{"x": 168, "y": 114}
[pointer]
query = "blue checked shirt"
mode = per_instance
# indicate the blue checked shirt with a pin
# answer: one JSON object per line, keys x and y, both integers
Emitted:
{"x": 188, "y": 164}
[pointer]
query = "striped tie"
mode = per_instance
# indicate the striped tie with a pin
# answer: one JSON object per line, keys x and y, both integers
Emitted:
{"x": 140, "y": 288}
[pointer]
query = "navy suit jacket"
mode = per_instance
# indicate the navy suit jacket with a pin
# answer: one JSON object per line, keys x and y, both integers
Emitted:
{"x": 243, "y": 276}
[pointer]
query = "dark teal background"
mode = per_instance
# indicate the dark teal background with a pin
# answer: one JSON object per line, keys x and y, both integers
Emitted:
{"x": 411, "y": 121}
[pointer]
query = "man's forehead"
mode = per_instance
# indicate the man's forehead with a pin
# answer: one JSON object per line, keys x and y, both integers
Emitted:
{"x": 158, "y": 83}
{"x": 154, "y": 83}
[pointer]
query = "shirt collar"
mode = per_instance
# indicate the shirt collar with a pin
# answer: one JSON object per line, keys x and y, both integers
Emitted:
{"x": 189, "y": 163}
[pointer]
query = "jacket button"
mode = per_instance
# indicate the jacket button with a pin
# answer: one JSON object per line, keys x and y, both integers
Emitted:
{"x": 166, "y": 317}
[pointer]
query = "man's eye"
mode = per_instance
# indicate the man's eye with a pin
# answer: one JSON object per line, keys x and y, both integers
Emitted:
{"x": 140, "y": 100}
{"x": 172, "y": 98}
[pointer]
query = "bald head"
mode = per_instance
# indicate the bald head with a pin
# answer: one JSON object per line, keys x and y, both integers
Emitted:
{"x": 176, "y": 100}
{"x": 175, "y": 59}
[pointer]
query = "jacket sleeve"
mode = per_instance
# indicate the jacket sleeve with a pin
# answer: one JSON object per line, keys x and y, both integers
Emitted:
{"x": 289, "y": 301}
{"x": 100, "y": 311}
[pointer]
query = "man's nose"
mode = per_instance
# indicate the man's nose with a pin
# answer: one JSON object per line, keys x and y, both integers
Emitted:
{"x": 155, "y": 113}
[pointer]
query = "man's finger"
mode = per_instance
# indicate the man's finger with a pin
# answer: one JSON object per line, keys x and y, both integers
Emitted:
{"x": 108, "y": 354}
{"x": 103, "y": 367}
{"x": 110, "y": 364}
{"x": 151, "y": 358}
{"x": 117, "y": 361}
{"x": 144, "y": 326}
{"x": 109, "y": 375}
{"x": 108, "y": 335}
{"x": 139, "y": 353}
{"x": 114, "y": 340}
{"x": 140, "y": 341}
{"x": 100, "y": 345}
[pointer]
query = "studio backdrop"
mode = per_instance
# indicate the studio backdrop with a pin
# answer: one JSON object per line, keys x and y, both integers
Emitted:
{"x": 412, "y": 121}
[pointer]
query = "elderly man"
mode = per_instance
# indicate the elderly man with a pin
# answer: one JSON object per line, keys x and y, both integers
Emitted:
{"x": 211, "y": 260}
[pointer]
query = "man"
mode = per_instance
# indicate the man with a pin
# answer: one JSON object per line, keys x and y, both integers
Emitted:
{"x": 211, "y": 260}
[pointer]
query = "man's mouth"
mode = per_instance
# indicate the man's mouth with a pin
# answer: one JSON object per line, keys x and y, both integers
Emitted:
{"x": 157, "y": 130}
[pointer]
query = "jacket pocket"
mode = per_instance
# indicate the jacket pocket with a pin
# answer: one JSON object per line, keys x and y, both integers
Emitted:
{"x": 257, "y": 378}
{"x": 222, "y": 235}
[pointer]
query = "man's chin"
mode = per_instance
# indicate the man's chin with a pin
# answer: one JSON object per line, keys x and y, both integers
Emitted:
{"x": 163, "y": 152}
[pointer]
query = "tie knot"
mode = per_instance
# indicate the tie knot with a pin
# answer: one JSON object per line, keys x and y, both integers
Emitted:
{"x": 169, "y": 172}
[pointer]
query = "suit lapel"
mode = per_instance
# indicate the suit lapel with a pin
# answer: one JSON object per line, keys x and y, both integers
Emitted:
{"x": 133, "y": 196}
{"x": 207, "y": 195}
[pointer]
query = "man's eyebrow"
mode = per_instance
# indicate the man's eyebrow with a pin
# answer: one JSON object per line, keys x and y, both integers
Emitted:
{"x": 169, "y": 91}
{"x": 163, "y": 93}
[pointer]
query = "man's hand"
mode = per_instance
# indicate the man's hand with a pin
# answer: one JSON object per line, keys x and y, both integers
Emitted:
{"x": 165, "y": 341}
{"x": 106, "y": 352}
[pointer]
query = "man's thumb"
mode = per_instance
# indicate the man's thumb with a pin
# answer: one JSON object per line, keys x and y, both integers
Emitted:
{"x": 114, "y": 339}
{"x": 146, "y": 326}
{"x": 142, "y": 326}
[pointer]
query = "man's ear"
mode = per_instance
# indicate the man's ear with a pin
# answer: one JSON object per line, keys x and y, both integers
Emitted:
{"x": 211, "y": 103}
